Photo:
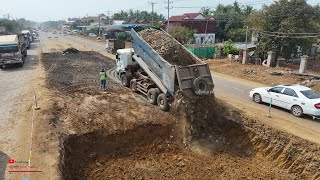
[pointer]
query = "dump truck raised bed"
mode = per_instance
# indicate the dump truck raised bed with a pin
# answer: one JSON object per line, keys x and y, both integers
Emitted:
{"x": 144, "y": 70}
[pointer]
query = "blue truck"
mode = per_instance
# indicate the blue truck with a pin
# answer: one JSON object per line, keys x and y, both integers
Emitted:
{"x": 143, "y": 70}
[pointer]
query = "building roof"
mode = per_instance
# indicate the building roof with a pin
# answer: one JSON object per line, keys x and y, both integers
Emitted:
{"x": 9, "y": 39}
{"x": 192, "y": 15}
{"x": 118, "y": 22}
{"x": 177, "y": 18}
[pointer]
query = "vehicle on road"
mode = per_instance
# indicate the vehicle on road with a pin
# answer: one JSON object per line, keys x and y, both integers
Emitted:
{"x": 28, "y": 33}
{"x": 75, "y": 31}
{"x": 113, "y": 45}
{"x": 298, "y": 99}
{"x": 54, "y": 32}
{"x": 145, "y": 71}
{"x": 92, "y": 35}
{"x": 12, "y": 50}
{"x": 69, "y": 33}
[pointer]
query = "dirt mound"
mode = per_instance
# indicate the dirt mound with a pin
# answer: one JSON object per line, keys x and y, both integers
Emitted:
{"x": 167, "y": 47}
{"x": 76, "y": 72}
{"x": 71, "y": 51}
{"x": 207, "y": 118}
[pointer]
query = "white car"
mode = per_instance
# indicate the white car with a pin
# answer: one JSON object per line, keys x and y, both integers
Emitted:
{"x": 92, "y": 35}
{"x": 298, "y": 99}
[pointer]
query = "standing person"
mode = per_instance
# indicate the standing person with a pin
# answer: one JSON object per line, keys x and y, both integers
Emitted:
{"x": 103, "y": 79}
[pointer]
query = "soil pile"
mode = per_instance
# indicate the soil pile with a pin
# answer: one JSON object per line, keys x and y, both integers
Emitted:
{"x": 206, "y": 118}
{"x": 167, "y": 47}
{"x": 76, "y": 71}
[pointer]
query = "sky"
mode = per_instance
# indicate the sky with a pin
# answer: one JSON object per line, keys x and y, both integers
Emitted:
{"x": 44, "y": 10}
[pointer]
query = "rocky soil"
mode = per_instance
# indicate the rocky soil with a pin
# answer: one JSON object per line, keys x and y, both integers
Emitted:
{"x": 168, "y": 47}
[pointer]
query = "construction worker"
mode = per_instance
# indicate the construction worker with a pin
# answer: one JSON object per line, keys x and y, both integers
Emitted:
{"x": 103, "y": 78}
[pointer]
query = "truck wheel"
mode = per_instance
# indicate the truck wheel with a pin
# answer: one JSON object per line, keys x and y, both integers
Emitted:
{"x": 1, "y": 67}
{"x": 124, "y": 80}
{"x": 163, "y": 102}
{"x": 133, "y": 85}
{"x": 152, "y": 96}
{"x": 21, "y": 64}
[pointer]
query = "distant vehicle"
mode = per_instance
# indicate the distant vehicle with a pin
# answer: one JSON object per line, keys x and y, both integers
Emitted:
{"x": 92, "y": 35}
{"x": 54, "y": 32}
{"x": 28, "y": 33}
{"x": 298, "y": 99}
{"x": 69, "y": 33}
{"x": 75, "y": 31}
{"x": 113, "y": 45}
{"x": 12, "y": 50}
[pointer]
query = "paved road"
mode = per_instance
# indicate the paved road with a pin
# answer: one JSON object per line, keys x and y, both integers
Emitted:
{"x": 236, "y": 91}
{"x": 14, "y": 85}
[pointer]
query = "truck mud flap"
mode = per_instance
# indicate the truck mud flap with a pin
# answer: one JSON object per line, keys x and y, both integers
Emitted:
{"x": 195, "y": 79}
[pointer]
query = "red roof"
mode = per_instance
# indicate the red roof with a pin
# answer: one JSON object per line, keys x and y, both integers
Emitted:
{"x": 191, "y": 15}
{"x": 177, "y": 18}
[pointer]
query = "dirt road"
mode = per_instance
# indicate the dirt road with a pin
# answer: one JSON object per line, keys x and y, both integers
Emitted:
{"x": 236, "y": 92}
{"x": 17, "y": 87}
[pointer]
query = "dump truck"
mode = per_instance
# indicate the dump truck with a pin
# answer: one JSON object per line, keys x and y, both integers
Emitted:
{"x": 143, "y": 70}
{"x": 113, "y": 45}
{"x": 12, "y": 50}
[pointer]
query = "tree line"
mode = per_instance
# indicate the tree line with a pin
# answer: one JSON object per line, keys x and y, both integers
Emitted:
{"x": 15, "y": 26}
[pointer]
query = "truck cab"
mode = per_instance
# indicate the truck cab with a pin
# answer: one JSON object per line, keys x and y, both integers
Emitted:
{"x": 123, "y": 60}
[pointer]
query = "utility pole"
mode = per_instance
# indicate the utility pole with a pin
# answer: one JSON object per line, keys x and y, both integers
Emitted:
{"x": 152, "y": 4}
{"x": 109, "y": 16}
{"x": 245, "y": 52}
{"x": 168, "y": 7}
{"x": 99, "y": 23}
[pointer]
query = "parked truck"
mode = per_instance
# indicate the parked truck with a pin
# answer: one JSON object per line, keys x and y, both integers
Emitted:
{"x": 113, "y": 45}
{"x": 12, "y": 50}
{"x": 143, "y": 70}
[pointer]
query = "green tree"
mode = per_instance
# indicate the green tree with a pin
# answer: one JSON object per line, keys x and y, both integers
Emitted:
{"x": 294, "y": 16}
{"x": 138, "y": 15}
{"x": 183, "y": 34}
{"x": 229, "y": 48}
{"x": 230, "y": 19}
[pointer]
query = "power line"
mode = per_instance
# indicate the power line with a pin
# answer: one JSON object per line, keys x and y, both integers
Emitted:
{"x": 152, "y": 4}
{"x": 168, "y": 7}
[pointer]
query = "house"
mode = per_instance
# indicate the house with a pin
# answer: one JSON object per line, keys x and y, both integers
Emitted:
{"x": 194, "y": 21}
{"x": 135, "y": 21}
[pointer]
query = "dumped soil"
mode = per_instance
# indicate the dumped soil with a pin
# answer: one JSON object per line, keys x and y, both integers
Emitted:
{"x": 76, "y": 71}
{"x": 299, "y": 157}
{"x": 168, "y": 47}
{"x": 118, "y": 134}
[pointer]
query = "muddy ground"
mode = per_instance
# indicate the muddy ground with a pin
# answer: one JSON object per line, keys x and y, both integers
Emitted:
{"x": 117, "y": 134}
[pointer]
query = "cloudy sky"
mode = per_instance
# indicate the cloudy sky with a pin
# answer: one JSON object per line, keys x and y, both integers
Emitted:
{"x": 43, "y": 10}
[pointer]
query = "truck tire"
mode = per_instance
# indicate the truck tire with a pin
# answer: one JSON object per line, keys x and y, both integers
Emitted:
{"x": 152, "y": 96}
{"x": 133, "y": 85}
{"x": 124, "y": 80}
{"x": 201, "y": 84}
{"x": 1, "y": 66}
{"x": 163, "y": 102}
{"x": 21, "y": 64}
